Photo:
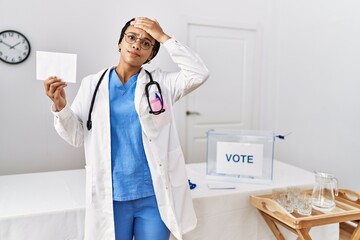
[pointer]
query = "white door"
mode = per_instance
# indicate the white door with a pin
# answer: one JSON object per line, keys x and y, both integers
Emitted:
{"x": 229, "y": 99}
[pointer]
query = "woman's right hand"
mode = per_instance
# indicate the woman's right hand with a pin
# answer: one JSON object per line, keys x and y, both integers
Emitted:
{"x": 54, "y": 89}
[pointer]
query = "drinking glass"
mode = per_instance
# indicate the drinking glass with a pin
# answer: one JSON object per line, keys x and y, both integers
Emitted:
{"x": 305, "y": 205}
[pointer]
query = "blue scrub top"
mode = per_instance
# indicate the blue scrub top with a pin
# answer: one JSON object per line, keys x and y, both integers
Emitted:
{"x": 131, "y": 175}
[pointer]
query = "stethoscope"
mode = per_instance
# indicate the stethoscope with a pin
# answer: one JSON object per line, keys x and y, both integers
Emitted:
{"x": 147, "y": 88}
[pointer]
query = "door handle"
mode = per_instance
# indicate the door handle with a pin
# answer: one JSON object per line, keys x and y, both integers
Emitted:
{"x": 188, "y": 113}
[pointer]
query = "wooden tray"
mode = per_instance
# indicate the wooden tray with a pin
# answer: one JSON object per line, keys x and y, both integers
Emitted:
{"x": 347, "y": 209}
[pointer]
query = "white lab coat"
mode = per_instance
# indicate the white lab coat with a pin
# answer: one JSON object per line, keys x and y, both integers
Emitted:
{"x": 160, "y": 139}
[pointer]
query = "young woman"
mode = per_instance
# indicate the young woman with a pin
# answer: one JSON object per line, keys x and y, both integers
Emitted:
{"x": 136, "y": 183}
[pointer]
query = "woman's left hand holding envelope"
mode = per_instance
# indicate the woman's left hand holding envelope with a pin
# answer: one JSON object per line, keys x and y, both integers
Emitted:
{"x": 54, "y": 89}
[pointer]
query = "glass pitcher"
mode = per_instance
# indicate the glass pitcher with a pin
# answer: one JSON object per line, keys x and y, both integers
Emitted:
{"x": 324, "y": 192}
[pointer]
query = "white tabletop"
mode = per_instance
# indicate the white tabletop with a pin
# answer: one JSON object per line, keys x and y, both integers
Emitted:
{"x": 42, "y": 206}
{"x": 50, "y": 205}
{"x": 284, "y": 175}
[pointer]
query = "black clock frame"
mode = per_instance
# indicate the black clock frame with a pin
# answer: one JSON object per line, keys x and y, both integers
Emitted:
{"x": 28, "y": 42}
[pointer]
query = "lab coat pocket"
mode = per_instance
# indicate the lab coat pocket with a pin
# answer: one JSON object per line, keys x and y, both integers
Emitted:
{"x": 162, "y": 119}
{"x": 89, "y": 184}
{"x": 177, "y": 168}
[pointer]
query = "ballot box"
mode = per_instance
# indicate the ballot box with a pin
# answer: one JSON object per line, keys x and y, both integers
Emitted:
{"x": 240, "y": 155}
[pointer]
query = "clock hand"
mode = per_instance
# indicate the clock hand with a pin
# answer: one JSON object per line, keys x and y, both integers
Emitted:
{"x": 1, "y": 41}
{"x": 15, "y": 45}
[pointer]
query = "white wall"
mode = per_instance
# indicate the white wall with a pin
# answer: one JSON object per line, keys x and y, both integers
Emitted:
{"x": 309, "y": 73}
{"x": 318, "y": 86}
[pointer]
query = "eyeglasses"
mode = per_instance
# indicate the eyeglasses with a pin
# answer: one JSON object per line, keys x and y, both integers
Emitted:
{"x": 132, "y": 38}
{"x": 154, "y": 96}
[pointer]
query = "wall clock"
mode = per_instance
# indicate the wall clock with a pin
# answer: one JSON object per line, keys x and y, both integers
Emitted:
{"x": 14, "y": 47}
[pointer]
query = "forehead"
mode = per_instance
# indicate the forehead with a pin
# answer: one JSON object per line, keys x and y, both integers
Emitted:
{"x": 139, "y": 32}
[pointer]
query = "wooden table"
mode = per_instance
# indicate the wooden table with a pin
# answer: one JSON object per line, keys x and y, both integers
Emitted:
{"x": 347, "y": 210}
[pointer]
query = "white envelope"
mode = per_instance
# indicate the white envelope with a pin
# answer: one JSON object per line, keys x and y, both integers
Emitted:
{"x": 62, "y": 65}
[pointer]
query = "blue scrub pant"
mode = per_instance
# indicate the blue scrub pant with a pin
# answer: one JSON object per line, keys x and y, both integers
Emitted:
{"x": 139, "y": 218}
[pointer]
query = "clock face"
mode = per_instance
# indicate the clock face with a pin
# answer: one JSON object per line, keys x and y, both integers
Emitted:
{"x": 14, "y": 47}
